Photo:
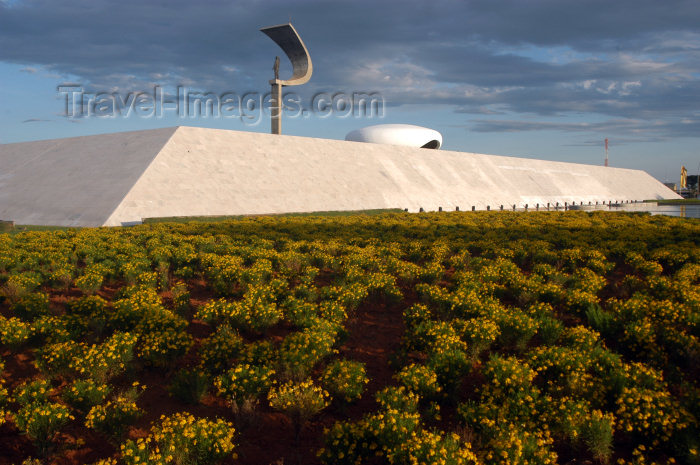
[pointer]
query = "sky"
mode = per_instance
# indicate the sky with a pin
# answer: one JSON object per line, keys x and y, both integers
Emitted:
{"x": 548, "y": 79}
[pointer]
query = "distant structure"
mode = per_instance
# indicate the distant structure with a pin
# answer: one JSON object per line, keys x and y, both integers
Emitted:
{"x": 398, "y": 134}
{"x": 606, "y": 151}
{"x": 289, "y": 41}
{"x": 684, "y": 178}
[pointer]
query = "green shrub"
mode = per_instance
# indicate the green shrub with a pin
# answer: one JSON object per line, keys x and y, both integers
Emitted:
{"x": 161, "y": 348}
{"x": 299, "y": 312}
{"x": 181, "y": 298}
{"x": 301, "y": 351}
{"x": 102, "y": 362}
{"x": 432, "y": 448}
{"x": 83, "y": 394}
{"x": 244, "y": 383}
{"x": 14, "y": 332}
{"x": 261, "y": 352}
{"x": 601, "y": 321}
{"x": 219, "y": 349}
{"x": 479, "y": 333}
{"x": 450, "y": 364}
{"x": 19, "y": 285}
{"x": 40, "y": 421}
{"x": 517, "y": 329}
{"x": 114, "y": 417}
{"x": 32, "y": 392}
{"x": 90, "y": 282}
{"x": 598, "y": 435}
{"x": 549, "y": 330}
{"x": 420, "y": 379}
{"x": 345, "y": 380}
{"x": 190, "y": 386}
{"x": 299, "y": 401}
{"x": 57, "y": 359}
{"x": 31, "y": 306}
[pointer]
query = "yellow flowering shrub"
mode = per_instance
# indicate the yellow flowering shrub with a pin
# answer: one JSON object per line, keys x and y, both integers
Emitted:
{"x": 32, "y": 392}
{"x": 31, "y": 306}
{"x": 509, "y": 444}
{"x": 40, "y": 421}
{"x": 244, "y": 383}
{"x": 83, "y": 394}
{"x": 302, "y": 350}
{"x": 182, "y": 439}
{"x": 114, "y": 416}
{"x": 650, "y": 413}
{"x": 220, "y": 348}
{"x": 375, "y": 435}
{"x": 345, "y": 379}
{"x": 161, "y": 348}
{"x": 428, "y": 448}
{"x": 104, "y": 361}
{"x": 299, "y": 401}
{"x": 58, "y": 359}
{"x": 420, "y": 379}
{"x": 19, "y": 285}
{"x": 529, "y": 333}
{"x": 90, "y": 282}
{"x": 14, "y": 332}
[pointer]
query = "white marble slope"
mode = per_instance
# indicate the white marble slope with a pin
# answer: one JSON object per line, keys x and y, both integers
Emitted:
{"x": 121, "y": 178}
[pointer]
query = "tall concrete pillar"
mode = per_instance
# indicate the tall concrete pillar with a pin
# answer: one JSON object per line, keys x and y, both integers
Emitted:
{"x": 276, "y": 108}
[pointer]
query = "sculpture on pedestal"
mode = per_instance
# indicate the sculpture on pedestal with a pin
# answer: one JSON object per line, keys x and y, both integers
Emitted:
{"x": 289, "y": 41}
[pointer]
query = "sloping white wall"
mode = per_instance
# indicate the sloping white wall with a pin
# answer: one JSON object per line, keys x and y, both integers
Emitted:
{"x": 218, "y": 172}
{"x": 77, "y": 181}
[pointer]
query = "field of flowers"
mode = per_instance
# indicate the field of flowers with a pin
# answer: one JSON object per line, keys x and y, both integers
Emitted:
{"x": 442, "y": 338}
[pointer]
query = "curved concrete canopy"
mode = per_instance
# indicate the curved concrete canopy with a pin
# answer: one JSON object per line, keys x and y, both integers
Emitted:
{"x": 398, "y": 134}
{"x": 287, "y": 38}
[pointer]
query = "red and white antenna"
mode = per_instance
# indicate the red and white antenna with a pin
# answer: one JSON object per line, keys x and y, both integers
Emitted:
{"x": 606, "y": 151}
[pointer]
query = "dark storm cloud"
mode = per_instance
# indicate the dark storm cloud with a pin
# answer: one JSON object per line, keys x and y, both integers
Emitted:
{"x": 627, "y": 59}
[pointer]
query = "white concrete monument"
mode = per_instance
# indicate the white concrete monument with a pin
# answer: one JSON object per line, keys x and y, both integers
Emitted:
{"x": 119, "y": 179}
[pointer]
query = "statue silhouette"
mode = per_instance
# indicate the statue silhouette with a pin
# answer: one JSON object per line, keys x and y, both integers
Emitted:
{"x": 276, "y": 67}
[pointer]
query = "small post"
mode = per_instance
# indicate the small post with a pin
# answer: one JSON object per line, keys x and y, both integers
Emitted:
{"x": 501, "y": 207}
{"x": 457, "y": 208}
{"x": 537, "y": 207}
{"x": 439, "y": 209}
{"x": 473, "y": 208}
{"x": 420, "y": 210}
{"x": 488, "y": 208}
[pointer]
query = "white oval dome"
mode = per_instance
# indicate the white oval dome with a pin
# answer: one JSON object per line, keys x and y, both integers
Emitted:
{"x": 398, "y": 134}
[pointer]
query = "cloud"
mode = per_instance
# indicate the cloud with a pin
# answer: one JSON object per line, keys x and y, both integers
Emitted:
{"x": 36, "y": 120}
{"x": 626, "y": 130}
{"x": 625, "y": 60}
